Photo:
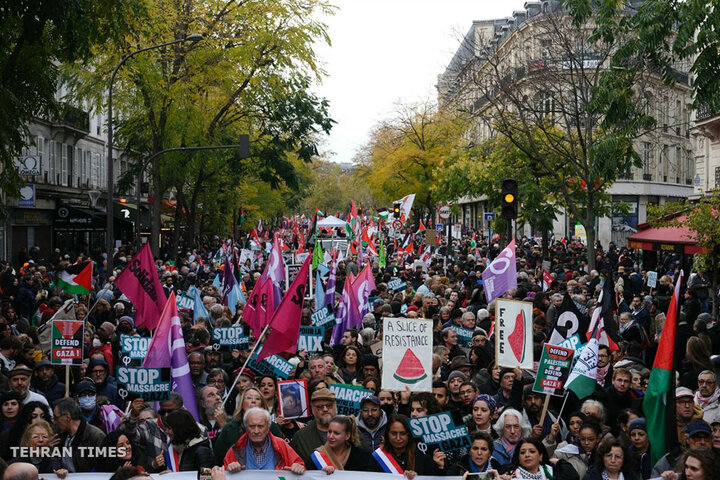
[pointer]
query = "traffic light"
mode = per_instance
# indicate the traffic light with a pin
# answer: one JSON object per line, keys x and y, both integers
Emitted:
{"x": 396, "y": 210}
{"x": 509, "y": 194}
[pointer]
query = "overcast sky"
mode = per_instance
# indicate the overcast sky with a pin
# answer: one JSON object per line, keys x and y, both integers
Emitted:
{"x": 386, "y": 51}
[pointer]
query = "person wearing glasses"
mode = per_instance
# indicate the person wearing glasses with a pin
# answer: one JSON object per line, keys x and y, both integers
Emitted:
{"x": 38, "y": 435}
{"x": 708, "y": 395}
{"x": 580, "y": 453}
{"x": 324, "y": 408}
{"x": 612, "y": 462}
{"x": 399, "y": 453}
{"x": 511, "y": 427}
{"x": 372, "y": 422}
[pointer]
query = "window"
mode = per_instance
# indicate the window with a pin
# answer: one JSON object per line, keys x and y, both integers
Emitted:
{"x": 665, "y": 165}
{"x": 87, "y": 170}
{"x": 66, "y": 152}
{"x": 53, "y": 162}
{"x": 689, "y": 167}
{"x": 545, "y": 104}
{"x": 647, "y": 160}
{"x": 95, "y": 176}
{"x": 42, "y": 155}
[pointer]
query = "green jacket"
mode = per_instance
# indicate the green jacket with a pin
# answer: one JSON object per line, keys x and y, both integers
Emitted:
{"x": 306, "y": 441}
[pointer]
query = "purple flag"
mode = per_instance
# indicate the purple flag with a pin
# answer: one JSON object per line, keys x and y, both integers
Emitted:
{"x": 348, "y": 313}
{"x": 362, "y": 286}
{"x": 501, "y": 275}
{"x": 330, "y": 290}
{"x": 167, "y": 347}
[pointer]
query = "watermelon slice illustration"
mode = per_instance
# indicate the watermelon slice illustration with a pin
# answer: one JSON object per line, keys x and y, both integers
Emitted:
{"x": 410, "y": 370}
{"x": 516, "y": 339}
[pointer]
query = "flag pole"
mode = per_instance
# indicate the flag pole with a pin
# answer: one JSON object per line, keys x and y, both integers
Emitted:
{"x": 563, "y": 404}
{"x": 247, "y": 361}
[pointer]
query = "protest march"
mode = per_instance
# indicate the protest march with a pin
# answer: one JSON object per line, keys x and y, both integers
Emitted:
{"x": 356, "y": 343}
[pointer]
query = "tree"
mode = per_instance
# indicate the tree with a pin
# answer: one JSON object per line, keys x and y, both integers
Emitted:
{"x": 703, "y": 218}
{"x": 35, "y": 36}
{"x": 250, "y": 75}
{"x": 543, "y": 100}
{"x": 331, "y": 189}
{"x": 480, "y": 170}
{"x": 404, "y": 152}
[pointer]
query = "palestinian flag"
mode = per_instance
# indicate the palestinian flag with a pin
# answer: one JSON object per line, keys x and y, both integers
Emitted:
{"x": 659, "y": 402}
{"x": 76, "y": 279}
{"x": 421, "y": 228}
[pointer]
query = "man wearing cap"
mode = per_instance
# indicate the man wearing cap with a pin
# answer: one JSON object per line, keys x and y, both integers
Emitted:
{"x": 306, "y": 440}
{"x": 86, "y": 396}
{"x": 372, "y": 422}
{"x": 698, "y": 434}
{"x": 19, "y": 381}
{"x": 686, "y": 411}
{"x": 46, "y": 382}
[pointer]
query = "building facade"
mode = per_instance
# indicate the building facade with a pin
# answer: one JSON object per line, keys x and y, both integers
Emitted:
{"x": 536, "y": 65}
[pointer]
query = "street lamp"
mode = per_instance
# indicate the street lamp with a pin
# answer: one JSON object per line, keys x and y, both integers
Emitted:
{"x": 110, "y": 243}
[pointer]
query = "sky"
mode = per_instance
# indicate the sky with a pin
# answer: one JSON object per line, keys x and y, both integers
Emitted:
{"x": 389, "y": 51}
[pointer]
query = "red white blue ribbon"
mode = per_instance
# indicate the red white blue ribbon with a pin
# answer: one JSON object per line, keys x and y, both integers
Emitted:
{"x": 172, "y": 459}
{"x": 387, "y": 461}
{"x": 321, "y": 460}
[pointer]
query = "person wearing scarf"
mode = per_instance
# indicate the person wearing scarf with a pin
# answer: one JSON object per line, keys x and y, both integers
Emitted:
{"x": 708, "y": 395}
{"x": 510, "y": 427}
{"x": 341, "y": 450}
{"x": 483, "y": 409}
{"x": 612, "y": 462}
{"x": 531, "y": 462}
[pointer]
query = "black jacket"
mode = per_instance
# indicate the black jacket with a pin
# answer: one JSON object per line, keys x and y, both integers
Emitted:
{"x": 594, "y": 473}
{"x": 197, "y": 454}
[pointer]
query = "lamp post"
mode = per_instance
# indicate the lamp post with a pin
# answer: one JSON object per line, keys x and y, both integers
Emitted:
{"x": 110, "y": 234}
{"x": 244, "y": 152}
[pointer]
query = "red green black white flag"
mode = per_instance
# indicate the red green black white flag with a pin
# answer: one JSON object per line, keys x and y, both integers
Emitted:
{"x": 76, "y": 279}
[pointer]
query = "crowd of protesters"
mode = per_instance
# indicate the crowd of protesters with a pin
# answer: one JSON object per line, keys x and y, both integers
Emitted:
{"x": 601, "y": 437}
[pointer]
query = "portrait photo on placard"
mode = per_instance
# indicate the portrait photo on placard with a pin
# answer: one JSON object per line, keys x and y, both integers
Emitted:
{"x": 294, "y": 399}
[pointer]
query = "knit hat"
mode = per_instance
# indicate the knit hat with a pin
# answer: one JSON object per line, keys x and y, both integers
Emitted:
{"x": 128, "y": 320}
{"x": 108, "y": 327}
{"x": 638, "y": 423}
{"x": 457, "y": 374}
{"x": 20, "y": 369}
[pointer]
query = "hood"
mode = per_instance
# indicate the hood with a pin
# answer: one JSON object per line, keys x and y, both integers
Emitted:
{"x": 98, "y": 361}
{"x": 361, "y": 422}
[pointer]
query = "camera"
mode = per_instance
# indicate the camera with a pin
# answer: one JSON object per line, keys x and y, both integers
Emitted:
{"x": 204, "y": 473}
{"x": 481, "y": 476}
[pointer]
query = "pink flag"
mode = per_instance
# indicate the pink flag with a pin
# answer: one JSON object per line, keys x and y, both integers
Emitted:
{"x": 140, "y": 283}
{"x": 362, "y": 286}
{"x": 285, "y": 322}
{"x": 348, "y": 313}
{"x": 275, "y": 270}
{"x": 501, "y": 275}
{"x": 167, "y": 348}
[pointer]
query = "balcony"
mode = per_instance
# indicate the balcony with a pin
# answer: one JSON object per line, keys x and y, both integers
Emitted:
{"x": 703, "y": 113}
{"x": 72, "y": 118}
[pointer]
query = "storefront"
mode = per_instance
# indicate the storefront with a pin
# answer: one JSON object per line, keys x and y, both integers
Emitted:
{"x": 661, "y": 245}
{"x": 78, "y": 229}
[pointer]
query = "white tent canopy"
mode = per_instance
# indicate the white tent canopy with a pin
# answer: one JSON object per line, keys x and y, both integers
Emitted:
{"x": 332, "y": 222}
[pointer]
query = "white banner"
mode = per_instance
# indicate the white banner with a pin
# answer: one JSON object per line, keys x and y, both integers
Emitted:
{"x": 513, "y": 334}
{"x": 257, "y": 474}
{"x": 407, "y": 354}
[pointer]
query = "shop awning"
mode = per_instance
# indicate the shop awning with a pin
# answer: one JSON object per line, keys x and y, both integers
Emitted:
{"x": 666, "y": 239}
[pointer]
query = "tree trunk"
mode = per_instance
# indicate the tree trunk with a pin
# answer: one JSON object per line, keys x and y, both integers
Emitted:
{"x": 713, "y": 294}
{"x": 175, "y": 242}
{"x": 590, "y": 232}
{"x": 545, "y": 241}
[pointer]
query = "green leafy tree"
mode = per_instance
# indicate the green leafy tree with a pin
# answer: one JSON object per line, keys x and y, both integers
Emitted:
{"x": 250, "y": 75}
{"x": 35, "y": 35}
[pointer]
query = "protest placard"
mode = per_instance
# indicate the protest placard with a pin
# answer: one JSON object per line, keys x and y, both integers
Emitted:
{"x": 184, "y": 301}
{"x": 150, "y": 384}
{"x": 348, "y": 397}
{"x": 133, "y": 346}
{"x": 291, "y": 272}
{"x": 324, "y": 318}
{"x": 440, "y": 429}
{"x": 652, "y": 279}
{"x": 310, "y": 338}
{"x": 67, "y": 342}
{"x": 397, "y": 285}
{"x": 407, "y": 354}
{"x": 464, "y": 335}
{"x": 293, "y": 398}
{"x": 573, "y": 342}
{"x": 272, "y": 365}
{"x": 231, "y": 338}
{"x": 513, "y": 334}
{"x": 553, "y": 370}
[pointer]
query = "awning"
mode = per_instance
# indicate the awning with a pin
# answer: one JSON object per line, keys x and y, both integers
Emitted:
{"x": 331, "y": 222}
{"x": 75, "y": 219}
{"x": 665, "y": 239}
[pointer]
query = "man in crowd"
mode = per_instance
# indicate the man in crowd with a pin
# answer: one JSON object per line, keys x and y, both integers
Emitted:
{"x": 323, "y": 408}
{"x": 75, "y": 432}
{"x": 372, "y": 422}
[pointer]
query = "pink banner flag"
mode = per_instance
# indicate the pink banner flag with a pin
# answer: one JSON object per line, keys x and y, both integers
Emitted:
{"x": 501, "y": 275}
{"x": 140, "y": 283}
{"x": 362, "y": 286}
{"x": 167, "y": 348}
{"x": 286, "y": 322}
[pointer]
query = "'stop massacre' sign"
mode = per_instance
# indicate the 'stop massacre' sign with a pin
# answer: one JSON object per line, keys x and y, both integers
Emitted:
{"x": 439, "y": 429}
{"x": 67, "y": 342}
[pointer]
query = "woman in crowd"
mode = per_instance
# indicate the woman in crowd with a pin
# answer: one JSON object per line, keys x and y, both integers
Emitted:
{"x": 612, "y": 462}
{"x": 350, "y": 365}
{"x": 233, "y": 430}
{"x": 697, "y": 359}
{"x": 581, "y": 453}
{"x": 128, "y": 454}
{"x": 372, "y": 383}
{"x": 9, "y": 409}
{"x": 192, "y": 452}
{"x": 695, "y": 464}
{"x": 483, "y": 409}
{"x": 29, "y": 413}
{"x": 479, "y": 456}
{"x": 38, "y": 435}
{"x": 530, "y": 461}
{"x": 575, "y": 421}
{"x": 268, "y": 388}
{"x": 342, "y": 449}
{"x": 399, "y": 453}
{"x": 640, "y": 446}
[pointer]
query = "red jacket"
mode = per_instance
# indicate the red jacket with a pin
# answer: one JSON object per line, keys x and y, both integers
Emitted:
{"x": 284, "y": 455}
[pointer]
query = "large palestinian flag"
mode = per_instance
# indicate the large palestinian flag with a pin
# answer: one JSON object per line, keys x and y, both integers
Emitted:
{"x": 76, "y": 279}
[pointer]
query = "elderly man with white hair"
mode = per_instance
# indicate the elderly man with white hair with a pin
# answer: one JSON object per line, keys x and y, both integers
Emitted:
{"x": 258, "y": 449}
{"x": 512, "y": 427}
